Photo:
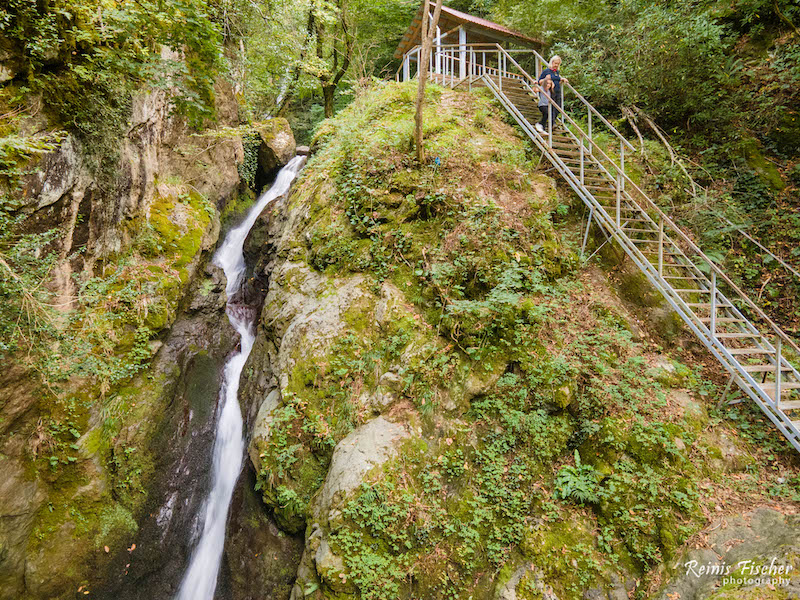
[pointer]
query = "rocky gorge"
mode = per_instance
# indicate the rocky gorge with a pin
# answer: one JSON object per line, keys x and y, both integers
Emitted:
{"x": 442, "y": 400}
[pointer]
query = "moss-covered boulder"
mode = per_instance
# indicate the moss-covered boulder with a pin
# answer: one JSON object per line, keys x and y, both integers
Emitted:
{"x": 540, "y": 447}
{"x": 277, "y": 144}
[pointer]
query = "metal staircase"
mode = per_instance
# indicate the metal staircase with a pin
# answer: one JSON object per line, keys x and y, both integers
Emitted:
{"x": 752, "y": 348}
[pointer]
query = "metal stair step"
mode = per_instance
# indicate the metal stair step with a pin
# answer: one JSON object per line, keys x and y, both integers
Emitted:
{"x": 635, "y": 230}
{"x": 671, "y": 265}
{"x": 769, "y": 388}
{"x": 634, "y": 220}
{"x": 764, "y": 369}
{"x": 737, "y": 336}
{"x": 687, "y": 277}
{"x": 707, "y": 305}
{"x": 786, "y": 385}
{"x": 622, "y": 207}
{"x": 674, "y": 261}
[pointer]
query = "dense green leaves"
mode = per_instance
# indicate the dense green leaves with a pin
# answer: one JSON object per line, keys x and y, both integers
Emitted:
{"x": 83, "y": 55}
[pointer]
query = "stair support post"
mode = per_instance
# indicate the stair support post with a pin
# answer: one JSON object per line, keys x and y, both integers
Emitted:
{"x": 586, "y": 233}
{"x": 622, "y": 162}
{"x": 590, "y": 130}
{"x": 499, "y": 71}
{"x": 462, "y": 52}
{"x": 619, "y": 198}
{"x": 712, "y": 324}
{"x": 550, "y": 124}
{"x": 778, "y": 371}
{"x": 581, "y": 161}
{"x": 661, "y": 247}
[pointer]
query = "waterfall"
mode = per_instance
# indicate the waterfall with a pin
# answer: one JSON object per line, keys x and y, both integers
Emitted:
{"x": 200, "y": 579}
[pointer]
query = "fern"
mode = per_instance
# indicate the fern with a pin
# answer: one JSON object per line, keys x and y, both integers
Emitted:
{"x": 579, "y": 483}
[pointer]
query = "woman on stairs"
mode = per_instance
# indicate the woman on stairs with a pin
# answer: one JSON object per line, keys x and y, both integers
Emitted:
{"x": 545, "y": 90}
{"x": 552, "y": 72}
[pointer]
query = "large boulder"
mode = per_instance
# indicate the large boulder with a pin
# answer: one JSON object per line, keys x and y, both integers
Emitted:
{"x": 366, "y": 448}
{"x": 369, "y": 446}
{"x": 752, "y": 555}
{"x": 277, "y": 144}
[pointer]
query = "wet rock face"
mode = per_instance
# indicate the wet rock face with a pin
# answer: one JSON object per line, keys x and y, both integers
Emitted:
{"x": 277, "y": 148}
{"x": 11, "y": 62}
{"x": 260, "y": 559}
{"x": 17, "y": 497}
{"x": 192, "y": 359}
{"x": 62, "y": 195}
{"x": 62, "y": 192}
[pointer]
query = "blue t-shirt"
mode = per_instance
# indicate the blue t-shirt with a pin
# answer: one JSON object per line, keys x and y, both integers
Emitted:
{"x": 556, "y": 80}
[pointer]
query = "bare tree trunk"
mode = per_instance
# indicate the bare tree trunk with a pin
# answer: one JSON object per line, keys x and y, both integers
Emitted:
{"x": 328, "y": 91}
{"x": 427, "y": 33}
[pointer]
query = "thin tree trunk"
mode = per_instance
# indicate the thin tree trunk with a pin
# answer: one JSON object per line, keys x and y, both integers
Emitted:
{"x": 427, "y": 33}
{"x": 327, "y": 97}
{"x": 341, "y": 57}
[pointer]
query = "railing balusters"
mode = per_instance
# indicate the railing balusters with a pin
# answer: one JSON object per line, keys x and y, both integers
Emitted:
{"x": 590, "y": 130}
{"x": 661, "y": 248}
{"x": 668, "y": 232}
{"x": 713, "y": 317}
{"x": 778, "y": 372}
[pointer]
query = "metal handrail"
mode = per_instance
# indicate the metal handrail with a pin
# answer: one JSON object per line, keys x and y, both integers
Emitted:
{"x": 717, "y": 348}
{"x": 594, "y": 111}
{"x": 453, "y": 59}
{"x": 653, "y": 206}
{"x": 456, "y": 64}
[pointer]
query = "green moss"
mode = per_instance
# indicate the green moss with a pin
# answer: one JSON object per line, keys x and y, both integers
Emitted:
{"x": 115, "y": 523}
{"x": 181, "y": 223}
{"x": 499, "y": 356}
{"x": 767, "y": 171}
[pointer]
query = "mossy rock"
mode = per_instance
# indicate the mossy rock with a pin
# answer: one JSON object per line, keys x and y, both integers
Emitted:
{"x": 637, "y": 289}
{"x": 277, "y": 144}
{"x": 765, "y": 170}
{"x": 786, "y": 134}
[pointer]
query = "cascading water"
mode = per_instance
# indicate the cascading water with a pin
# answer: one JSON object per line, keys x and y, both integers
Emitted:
{"x": 200, "y": 579}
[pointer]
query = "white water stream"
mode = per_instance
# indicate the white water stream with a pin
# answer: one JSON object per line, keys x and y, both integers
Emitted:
{"x": 200, "y": 579}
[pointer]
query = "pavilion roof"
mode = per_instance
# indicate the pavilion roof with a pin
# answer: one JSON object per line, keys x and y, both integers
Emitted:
{"x": 481, "y": 30}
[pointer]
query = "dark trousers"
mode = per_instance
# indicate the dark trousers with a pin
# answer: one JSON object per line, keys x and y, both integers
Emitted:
{"x": 545, "y": 110}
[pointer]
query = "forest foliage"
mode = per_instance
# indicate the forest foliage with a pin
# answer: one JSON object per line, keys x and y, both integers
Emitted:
{"x": 720, "y": 79}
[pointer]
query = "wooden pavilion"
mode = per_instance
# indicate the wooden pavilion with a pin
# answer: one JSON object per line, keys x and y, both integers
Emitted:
{"x": 456, "y": 32}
